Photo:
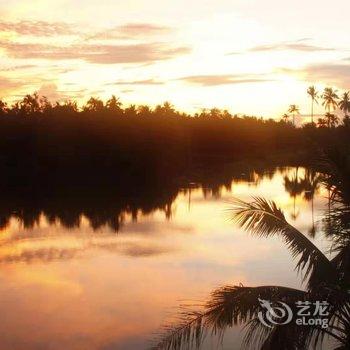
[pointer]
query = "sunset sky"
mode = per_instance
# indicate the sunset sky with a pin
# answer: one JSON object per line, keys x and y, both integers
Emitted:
{"x": 249, "y": 56}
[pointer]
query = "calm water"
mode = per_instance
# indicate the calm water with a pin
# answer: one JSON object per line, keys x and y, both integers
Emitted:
{"x": 65, "y": 285}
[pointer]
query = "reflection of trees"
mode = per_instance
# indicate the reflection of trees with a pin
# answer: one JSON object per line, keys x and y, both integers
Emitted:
{"x": 326, "y": 279}
{"x": 307, "y": 185}
{"x": 108, "y": 204}
{"x": 102, "y": 206}
{"x": 311, "y": 182}
{"x": 294, "y": 187}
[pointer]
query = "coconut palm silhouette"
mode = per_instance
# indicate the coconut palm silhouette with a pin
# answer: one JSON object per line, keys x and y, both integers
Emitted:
{"x": 330, "y": 98}
{"x": 312, "y": 92}
{"x": 294, "y": 109}
{"x": 344, "y": 103}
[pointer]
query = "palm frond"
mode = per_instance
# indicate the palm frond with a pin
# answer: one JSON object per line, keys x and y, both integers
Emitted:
{"x": 291, "y": 336}
{"x": 228, "y": 306}
{"x": 263, "y": 218}
{"x": 286, "y": 337}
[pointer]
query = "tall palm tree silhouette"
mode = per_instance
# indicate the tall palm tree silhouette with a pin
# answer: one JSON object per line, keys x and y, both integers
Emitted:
{"x": 285, "y": 117}
{"x": 314, "y": 96}
{"x": 344, "y": 103}
{"x": 294, "y": 109}
{"x": 330, "y": 98}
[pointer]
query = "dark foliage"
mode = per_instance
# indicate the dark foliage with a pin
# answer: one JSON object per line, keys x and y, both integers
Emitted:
{"x": 48, "y": 143}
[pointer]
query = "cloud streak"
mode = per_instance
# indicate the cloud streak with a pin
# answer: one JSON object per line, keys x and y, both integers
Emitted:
{"x": 225, "y": 79}
{"x": 18, "y": 67}
{"x": 290, "y": 46}
{"x": 37, "y": 28}
{"x": 52, "y": 254}
{"x": 10, "y": 84}
{"x": 328, "y": 73}
{"x": 99, "y": 54}
{"x": 137, "y": 82}
{"x": 48, "y": 29}
{"x": 298, "y": 45}
{"x": 50, "y": 90}
{"x": 132, "y": 31}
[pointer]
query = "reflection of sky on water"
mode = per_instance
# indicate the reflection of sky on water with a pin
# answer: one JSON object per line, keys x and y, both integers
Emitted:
{"x": 85, "y": 289}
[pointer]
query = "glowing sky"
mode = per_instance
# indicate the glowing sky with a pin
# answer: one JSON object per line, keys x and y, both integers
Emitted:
{"x": 248, "y": 56}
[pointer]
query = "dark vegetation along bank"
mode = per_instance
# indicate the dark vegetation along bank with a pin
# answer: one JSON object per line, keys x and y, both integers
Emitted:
{"x": 42, "y": 143}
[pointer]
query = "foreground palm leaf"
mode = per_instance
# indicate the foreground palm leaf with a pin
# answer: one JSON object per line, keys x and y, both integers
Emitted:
{"x": 228, "y": 306}
{"x": 264, "y": 218}
{"x": 238, "y": 305}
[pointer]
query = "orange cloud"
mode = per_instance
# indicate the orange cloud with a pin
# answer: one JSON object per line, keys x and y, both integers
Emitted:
{"x": 8, "y": 85}
{"x": 36, "y": 28}
{"x": 50, "y": 91}
{"x": 298, "y": 45}
{"x": 328, "y": 73}
{"x": 212, "y": 80}
{"x": 100, "y": 54}
{"x": 138, "y": 82}
{"x": 132, "y": 31}
{"x": 290, "y": 46}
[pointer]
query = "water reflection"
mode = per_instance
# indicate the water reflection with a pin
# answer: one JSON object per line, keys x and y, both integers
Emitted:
{"x": 326, "y": 278}
{"x": 306, "y": 185}
{"x": 100, "y": 269}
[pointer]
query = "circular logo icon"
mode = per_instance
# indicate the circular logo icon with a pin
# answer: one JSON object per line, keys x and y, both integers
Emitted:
{"x": 278, "y": 313}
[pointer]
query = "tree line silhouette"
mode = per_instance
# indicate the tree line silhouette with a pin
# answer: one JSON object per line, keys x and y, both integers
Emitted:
{"x": 330, "y": 101}
{"x": 48, "y": 143}
{"x": 104, "y": 161}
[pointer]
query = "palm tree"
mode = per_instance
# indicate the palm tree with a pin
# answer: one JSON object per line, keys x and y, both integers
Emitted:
{"x": 330, "y": 98}
{"x": 321, "y": 122}
{"x": 94, "y": 104}
{"x": 285, "y": 117}
{"x": 165, "y": 110}
{"x": 3, "y": 107}
{"x": 113, "y": 104}
{"x": 314, "y": 96}
{"x": 331, "y": 119}
{"x": 346, "y": 121}
{"x": 144, "y": 111}
{"x": 294, "y": 109}
{"x": 344, "y": 104}
{"x": 130, "y": 111}
{"x": 30, "y": 104}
